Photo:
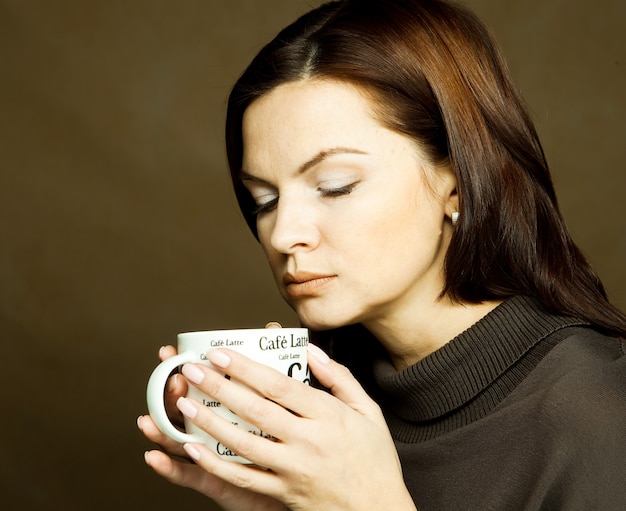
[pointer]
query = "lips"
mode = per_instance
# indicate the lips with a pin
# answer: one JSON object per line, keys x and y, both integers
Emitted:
{"x": 303, "y": 284}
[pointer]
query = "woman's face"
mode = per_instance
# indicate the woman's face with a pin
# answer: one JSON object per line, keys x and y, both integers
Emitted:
{"x": 353, "y": 219}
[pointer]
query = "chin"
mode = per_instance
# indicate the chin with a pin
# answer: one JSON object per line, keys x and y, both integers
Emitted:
{"x": 320, "y": 321}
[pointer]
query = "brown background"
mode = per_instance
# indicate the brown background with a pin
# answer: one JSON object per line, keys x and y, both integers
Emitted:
{"x": 118, "y": 229}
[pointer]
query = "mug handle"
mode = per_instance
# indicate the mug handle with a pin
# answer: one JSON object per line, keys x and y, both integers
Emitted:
{"x": 154, "y": 395}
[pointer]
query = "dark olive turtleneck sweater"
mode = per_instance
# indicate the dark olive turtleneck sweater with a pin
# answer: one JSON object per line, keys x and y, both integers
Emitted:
{"x": 523, "y": 411}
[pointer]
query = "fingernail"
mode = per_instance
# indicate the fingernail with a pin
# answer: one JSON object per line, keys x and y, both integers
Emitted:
{"x": 218, "y": 358}
{"x": 187, "y": 408}
{"x": 191, "y": 450}
{"x": 318, "y": 353}
{"x": 193, "y": 373}
{"x": 172, "y": 383}
{"x": 139, "y": 419}
{"x": 273, "y": 324}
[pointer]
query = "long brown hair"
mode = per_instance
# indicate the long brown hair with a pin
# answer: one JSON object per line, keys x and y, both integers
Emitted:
{"x": 435, "y": 75}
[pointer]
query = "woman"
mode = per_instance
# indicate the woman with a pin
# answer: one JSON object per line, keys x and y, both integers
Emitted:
{"x": 384, "y": 160}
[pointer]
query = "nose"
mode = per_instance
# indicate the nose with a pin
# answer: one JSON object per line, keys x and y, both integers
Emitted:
{"x": 295, "y": 227}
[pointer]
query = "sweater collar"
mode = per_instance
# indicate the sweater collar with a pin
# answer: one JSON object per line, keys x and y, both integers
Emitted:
{"x": 460, "y": 370}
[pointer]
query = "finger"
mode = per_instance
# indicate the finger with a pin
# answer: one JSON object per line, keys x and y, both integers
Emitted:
{"x": 342, "y": 384}
{"x": 266, "y": 381}
{"x": 166, "y": 352}
{"x": 185, "y": 474}
{"x": 239, "y": 475}
{"x": 151, "y": 431}
{"x": 273, "y": 324}
{"x": 174, "y": 471}
{"x": 255, "y": 448}
{"x": 175, "y": 387}
{"x": 197, "y": 477}
{"x": 244, "y": 402}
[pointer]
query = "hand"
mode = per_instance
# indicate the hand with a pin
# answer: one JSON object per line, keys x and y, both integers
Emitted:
{"x": 176, "y": 386}
{"x": 181, "y": 471}
{"x": 333, "y": 451}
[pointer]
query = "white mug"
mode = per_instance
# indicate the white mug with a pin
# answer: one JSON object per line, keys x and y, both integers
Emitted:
{"x": 284, "y": 349}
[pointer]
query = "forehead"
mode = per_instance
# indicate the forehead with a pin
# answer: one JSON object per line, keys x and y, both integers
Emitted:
{"x": 301, "y": 118}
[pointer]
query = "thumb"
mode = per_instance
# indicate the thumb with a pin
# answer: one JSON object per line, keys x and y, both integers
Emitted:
{"x": 342, "y": 384}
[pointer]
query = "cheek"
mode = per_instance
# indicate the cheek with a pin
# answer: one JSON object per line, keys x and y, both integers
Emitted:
{"x": 272, "y": 256}
{"x": 405, "y": 223}
{"x": 387, "y": 215}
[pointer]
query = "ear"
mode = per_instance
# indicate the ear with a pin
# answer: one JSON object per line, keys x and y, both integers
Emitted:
{"x": 452, "y": 206}
{"x": 449, "y": 191}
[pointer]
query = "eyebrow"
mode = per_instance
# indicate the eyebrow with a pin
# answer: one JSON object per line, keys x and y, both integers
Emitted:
{"x": 316, "y": 160}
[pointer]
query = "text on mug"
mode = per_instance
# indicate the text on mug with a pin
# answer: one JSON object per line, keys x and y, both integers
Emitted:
{"x": 281, "y": 342}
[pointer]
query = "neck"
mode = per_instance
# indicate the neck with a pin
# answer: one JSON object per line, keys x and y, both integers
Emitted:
{"x": 409, "y": 336}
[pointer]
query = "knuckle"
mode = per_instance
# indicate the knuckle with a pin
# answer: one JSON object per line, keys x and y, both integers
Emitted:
{"x": 333, "y": 407}
{"x": 214, "y": 385}
{"x": 241, "y": 481}
{"x": 245, "y": 446}
{"x": 258, "y": 411}
{"x": 277, "y": 387}
{"x": 344, "y": 373}
{"x": 205, "y": 421}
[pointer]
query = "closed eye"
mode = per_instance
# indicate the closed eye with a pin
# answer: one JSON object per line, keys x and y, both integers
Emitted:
{"x": 338, "y": 191}
{"x": 265, "y": 207}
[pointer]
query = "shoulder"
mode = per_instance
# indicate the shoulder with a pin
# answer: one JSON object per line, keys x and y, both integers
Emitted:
{"x": 581, "y": 382}
{"x": 586, "y": 352}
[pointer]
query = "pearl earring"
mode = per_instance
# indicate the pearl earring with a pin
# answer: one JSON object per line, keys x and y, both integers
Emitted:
{"x": 455, "y": 217}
